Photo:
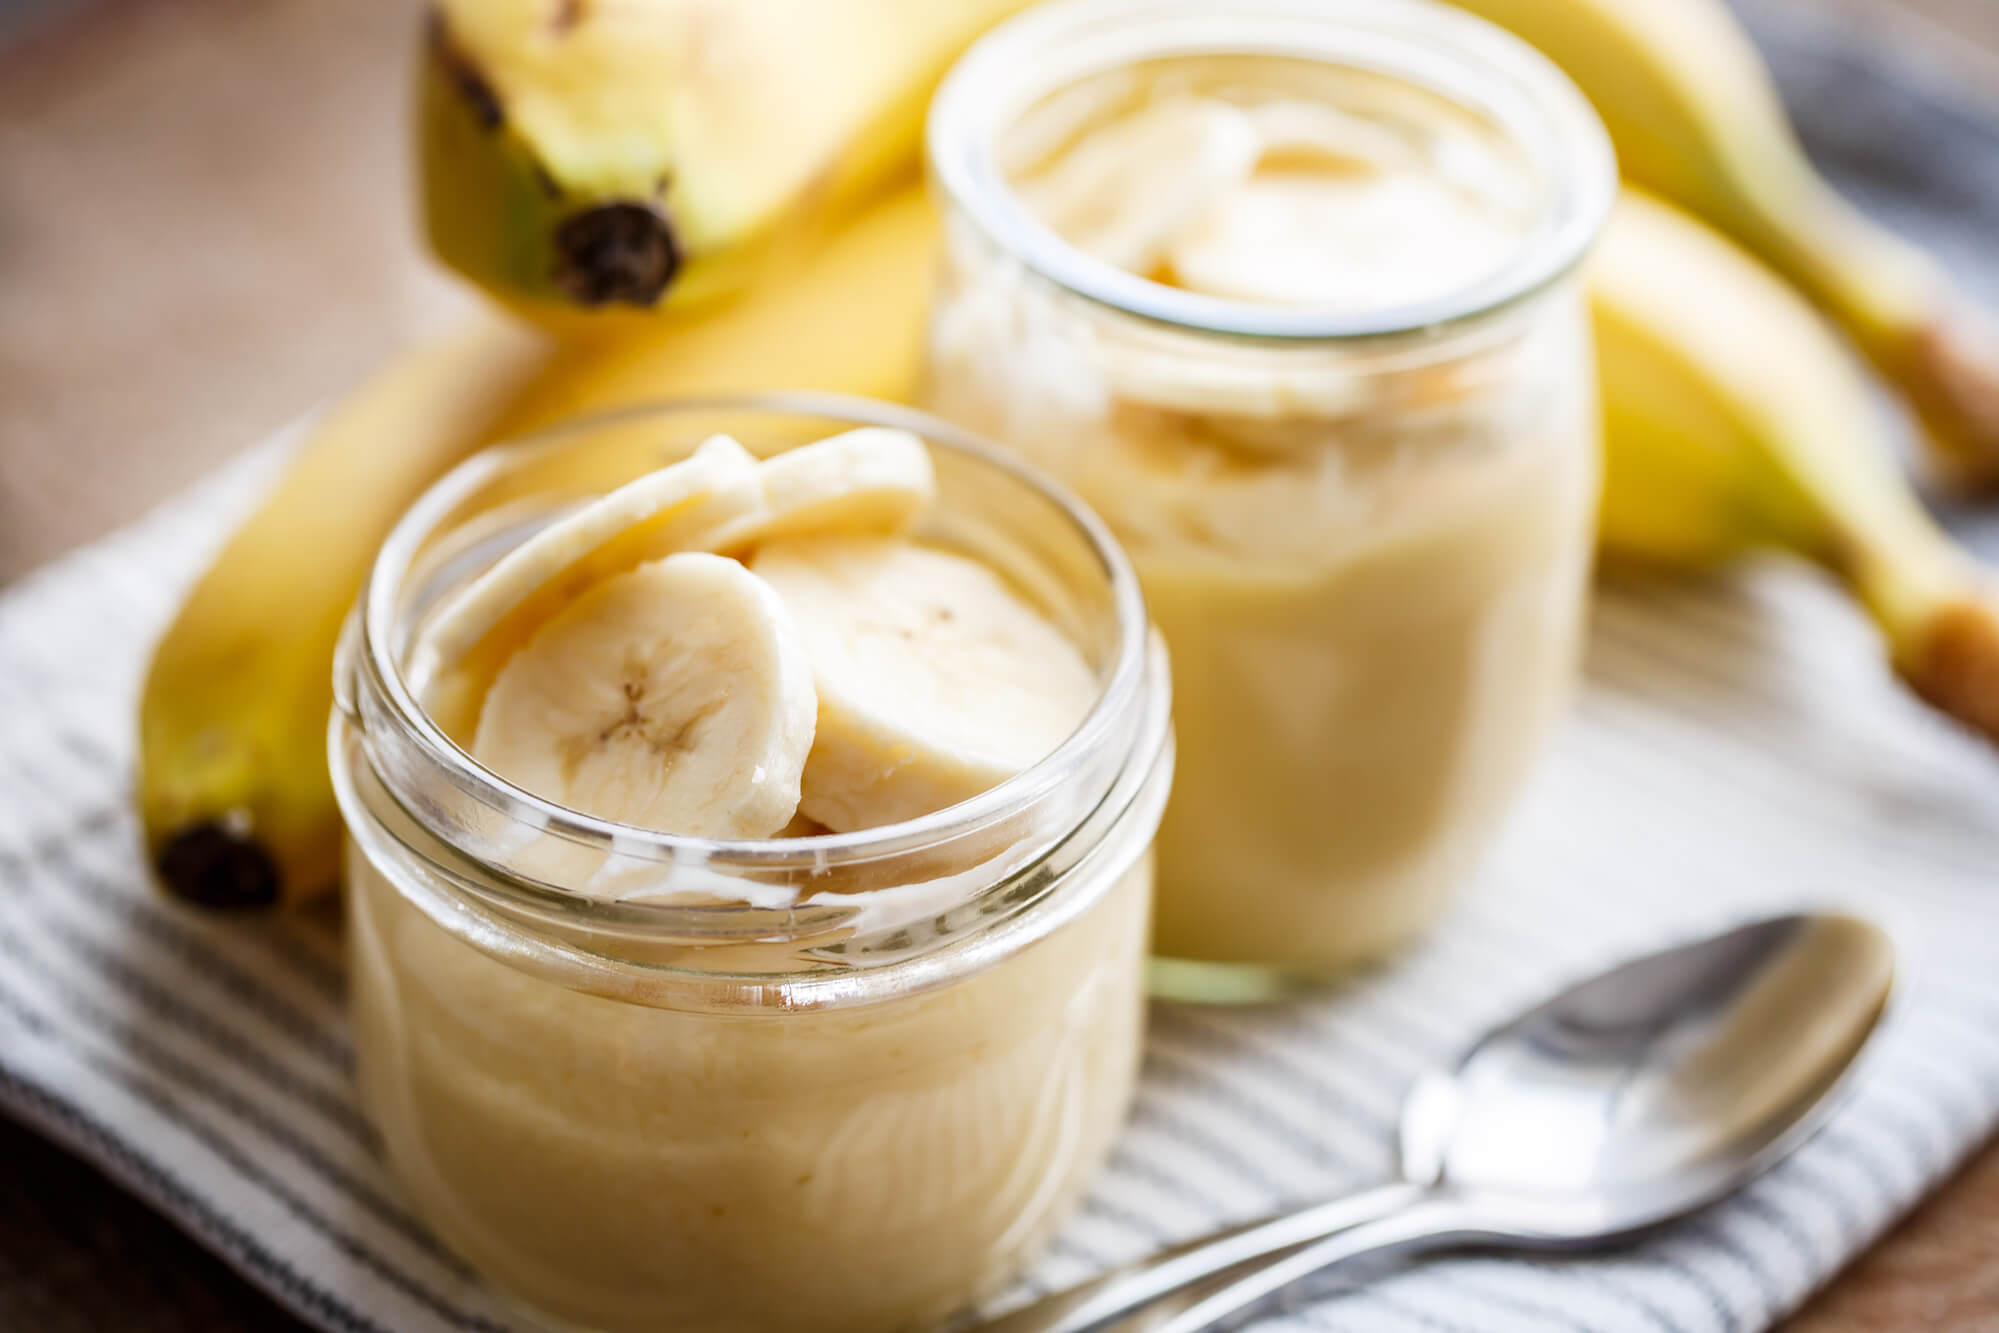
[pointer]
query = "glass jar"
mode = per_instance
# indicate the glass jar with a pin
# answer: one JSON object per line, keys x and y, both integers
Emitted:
{"x": 1365, "y": 531}
{"x": 653, "y": 1082}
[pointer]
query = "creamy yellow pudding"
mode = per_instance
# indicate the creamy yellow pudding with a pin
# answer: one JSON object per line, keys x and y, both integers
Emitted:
{"x": 750, "y": 878}
{"x": 627, "y": 1165}
{"x": 1286, "y": 297}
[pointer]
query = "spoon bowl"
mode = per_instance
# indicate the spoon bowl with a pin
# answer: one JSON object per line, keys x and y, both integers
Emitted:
{"x": 1657, "y": 1087}
{"x": 1621, "y": 1103}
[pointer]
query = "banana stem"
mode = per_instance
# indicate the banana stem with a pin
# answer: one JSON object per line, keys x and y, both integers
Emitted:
{"x": 1939, "y": 611}
{"x": 1952, "y": 662}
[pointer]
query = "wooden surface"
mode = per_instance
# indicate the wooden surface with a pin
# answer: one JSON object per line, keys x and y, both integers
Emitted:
{"x": 205, "y": 228}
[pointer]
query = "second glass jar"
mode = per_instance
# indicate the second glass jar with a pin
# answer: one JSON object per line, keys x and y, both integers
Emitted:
{"x": 1362, "y": 512}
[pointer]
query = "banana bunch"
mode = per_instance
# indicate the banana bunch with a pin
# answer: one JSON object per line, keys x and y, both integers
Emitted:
{"x": 586, "y": 157}
{"x": 1696, "y": 119}
{"x": 1735, "y": 421}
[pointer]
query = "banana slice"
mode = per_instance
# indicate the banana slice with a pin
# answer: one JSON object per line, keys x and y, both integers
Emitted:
{"x": 1300, "y": 133}
{"x": 678, "y": 508}
{"x": 935, "y": 680}
{"x": 676, "y": 696}
{"x": 1126, "y": 190}
{"x": 874, "y": 479}
{"x": 1342, "y": 241}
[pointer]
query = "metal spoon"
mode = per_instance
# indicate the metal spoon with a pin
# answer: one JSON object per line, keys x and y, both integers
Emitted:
{"x": 1623, "y": 1102}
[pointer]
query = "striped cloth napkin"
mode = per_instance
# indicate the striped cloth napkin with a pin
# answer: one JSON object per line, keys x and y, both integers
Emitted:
{"x": 1737, "y": 749}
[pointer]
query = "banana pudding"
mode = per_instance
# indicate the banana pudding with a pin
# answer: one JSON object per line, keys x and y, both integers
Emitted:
{"x": 749, "y": 865}
{"x": 1286, "y": 292}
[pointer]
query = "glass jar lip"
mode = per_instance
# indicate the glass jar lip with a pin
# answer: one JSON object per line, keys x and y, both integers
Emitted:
{"x": 376, "y": 656}
{"x": 1457, "y": 55}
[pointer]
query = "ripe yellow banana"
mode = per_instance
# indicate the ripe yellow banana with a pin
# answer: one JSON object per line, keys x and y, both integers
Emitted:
{"x": 1735, "y": 420}
{"x": 625, "y": 153}
{"x": 1696, "y": 118}
{"x": 233, "y": 788}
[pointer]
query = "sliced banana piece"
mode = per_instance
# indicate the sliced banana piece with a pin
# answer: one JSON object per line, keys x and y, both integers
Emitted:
{"x": 678, "y": 508}
{"x": 1296, "y": 132}
{"x": 1351, "y": 242}
{"x": 874, "y": 479}
{"x": 1126, "y": 190}
{"x": 936, "y": 681}
{"x": 676, "y": 696}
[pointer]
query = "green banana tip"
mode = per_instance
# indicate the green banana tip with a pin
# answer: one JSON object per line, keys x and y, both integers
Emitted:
{"x": 218, "y": 863}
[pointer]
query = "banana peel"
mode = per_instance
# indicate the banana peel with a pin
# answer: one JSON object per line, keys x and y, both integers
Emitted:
{"x": 1736, "y": 421}
{"x": 234, "y": 794}
{"x": 1696, "y": 118}
{"x": 583, "y": 160}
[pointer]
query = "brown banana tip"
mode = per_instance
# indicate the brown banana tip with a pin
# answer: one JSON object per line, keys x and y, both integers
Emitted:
{"x": 1956, "y": 665}
{"x": 215, "y": 865}
{"x": 621, "y": 252}
{"x": 1959, "y": 368}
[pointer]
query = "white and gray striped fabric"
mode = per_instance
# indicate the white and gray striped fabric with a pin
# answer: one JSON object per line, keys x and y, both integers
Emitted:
{"x": 1738, "y": 748}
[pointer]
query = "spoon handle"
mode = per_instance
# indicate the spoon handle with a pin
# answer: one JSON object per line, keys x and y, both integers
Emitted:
{"x": 1090, "y": 1304}
{"x": 1424, "y": 1222}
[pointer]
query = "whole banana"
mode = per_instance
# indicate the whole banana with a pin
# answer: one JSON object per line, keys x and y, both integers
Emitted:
{"x": 1696, "y": 118}
{"x": 233, "y": 789}
{"x": 1736, "y": 421}
{"x": 629, "y": 153}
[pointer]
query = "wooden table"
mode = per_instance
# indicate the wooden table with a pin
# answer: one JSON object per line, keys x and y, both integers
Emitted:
{"x": 204, "y": 228}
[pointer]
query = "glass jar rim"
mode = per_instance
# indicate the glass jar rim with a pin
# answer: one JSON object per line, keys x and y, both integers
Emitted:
{"x": 1456, "y": 55}
{"x": 374, "y": 652}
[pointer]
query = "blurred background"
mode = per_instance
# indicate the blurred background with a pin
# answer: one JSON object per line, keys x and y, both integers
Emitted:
{"x": 206, "y": 228}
